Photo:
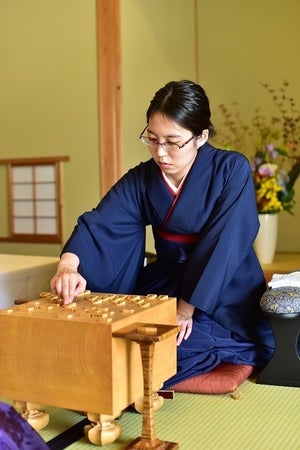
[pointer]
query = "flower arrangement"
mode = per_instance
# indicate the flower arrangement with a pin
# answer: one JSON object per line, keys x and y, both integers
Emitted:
{"x": 275, "y": 163}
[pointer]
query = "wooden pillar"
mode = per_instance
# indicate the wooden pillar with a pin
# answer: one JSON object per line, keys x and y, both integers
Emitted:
{"x": 109, "y": 92}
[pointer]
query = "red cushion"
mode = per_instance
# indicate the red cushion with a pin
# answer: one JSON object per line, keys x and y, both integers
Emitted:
{"x": 222, "y": 379}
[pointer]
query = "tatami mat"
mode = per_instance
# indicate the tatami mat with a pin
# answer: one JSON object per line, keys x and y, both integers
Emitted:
{"x": 264, "y": 418}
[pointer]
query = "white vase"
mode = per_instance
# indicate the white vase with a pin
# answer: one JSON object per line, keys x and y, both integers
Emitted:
{"x": 266, "y": 240}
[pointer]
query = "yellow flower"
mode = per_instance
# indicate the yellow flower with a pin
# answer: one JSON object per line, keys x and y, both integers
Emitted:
{"x": 267, "y": 195}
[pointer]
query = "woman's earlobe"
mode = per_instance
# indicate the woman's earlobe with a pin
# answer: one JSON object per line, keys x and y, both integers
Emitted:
{"x": 203, "y": 137}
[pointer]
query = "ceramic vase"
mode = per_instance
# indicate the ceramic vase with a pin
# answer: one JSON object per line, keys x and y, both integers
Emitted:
{"x": 266, "y": 240}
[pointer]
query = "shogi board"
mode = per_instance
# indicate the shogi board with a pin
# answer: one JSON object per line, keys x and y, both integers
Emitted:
{"x": 68, "y": 357}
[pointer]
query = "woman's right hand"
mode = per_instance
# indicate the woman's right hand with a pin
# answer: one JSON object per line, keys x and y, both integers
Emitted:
{"x": 185, "y": 313}
{"x": 67, "y": 282}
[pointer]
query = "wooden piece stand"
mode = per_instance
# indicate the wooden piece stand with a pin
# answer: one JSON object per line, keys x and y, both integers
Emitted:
{"x": 146, "y": 336}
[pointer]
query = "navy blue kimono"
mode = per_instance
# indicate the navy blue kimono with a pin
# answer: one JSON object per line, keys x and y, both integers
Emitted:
{"x": 203, "y": 239}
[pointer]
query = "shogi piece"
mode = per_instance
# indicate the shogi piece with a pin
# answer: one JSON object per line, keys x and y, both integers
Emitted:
{"x": 282, "y": 305}
{"x": 69, "y": 357}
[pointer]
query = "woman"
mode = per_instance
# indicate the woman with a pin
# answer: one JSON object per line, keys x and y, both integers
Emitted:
{"x": 200, "y": 203}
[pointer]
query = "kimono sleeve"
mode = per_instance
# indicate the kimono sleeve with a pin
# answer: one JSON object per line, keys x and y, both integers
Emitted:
{"x": 110, "y": 240}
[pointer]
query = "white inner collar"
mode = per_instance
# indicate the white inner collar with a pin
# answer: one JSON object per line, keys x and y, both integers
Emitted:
{"x": 174, "y": 188}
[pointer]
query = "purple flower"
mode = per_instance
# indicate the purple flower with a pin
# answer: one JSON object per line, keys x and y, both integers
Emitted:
{"x": 257, "y": 161}
{"x": 267, "y": 170}
{"x": 271, "y": 150}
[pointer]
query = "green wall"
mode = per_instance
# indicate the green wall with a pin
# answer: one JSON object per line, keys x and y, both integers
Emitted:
{"x": 158, "y": 45}
{"x": 48, "y": 97}
{"x": 48, "y": 79}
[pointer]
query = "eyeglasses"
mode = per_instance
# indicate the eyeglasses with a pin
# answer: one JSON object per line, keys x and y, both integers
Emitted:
{"x": 168, "y": 146}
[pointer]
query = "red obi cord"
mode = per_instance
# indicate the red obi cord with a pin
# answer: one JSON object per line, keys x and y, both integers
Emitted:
{"x": 180, "y": 238}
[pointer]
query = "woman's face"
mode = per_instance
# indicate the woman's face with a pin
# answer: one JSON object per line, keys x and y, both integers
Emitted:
{"x": 175, "y": 163}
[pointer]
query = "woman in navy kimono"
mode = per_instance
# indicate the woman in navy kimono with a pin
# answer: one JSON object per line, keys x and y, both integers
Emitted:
{"x": 200, "y": 203}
